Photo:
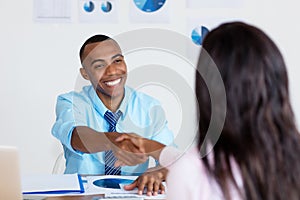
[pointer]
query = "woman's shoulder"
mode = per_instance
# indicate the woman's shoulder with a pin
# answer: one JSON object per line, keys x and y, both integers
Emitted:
{"x": 189, "y": 160}
{"x": 189, "y": 176}
{"x": 176, "y": 160}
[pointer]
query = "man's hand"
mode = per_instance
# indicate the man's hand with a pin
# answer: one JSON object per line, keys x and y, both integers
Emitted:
{"x": 151, "y": 180}
{"x": 125, "y": 151}
{"x": 143, "y": 145}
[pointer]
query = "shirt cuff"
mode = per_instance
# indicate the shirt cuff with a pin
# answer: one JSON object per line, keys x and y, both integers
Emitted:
{"x": 69, "y": 145}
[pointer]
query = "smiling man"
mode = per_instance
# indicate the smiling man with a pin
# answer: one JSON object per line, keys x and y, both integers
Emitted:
{"x": 84, "y": 119}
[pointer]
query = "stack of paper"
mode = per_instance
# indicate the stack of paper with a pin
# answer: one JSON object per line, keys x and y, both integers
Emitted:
{"x": 52, "y": 184}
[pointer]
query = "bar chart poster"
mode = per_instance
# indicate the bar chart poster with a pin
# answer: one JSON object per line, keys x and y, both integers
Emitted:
{"x": 98, "y": 11}
{"x": 52, "y": 11}
{"x": 149, "y": 11}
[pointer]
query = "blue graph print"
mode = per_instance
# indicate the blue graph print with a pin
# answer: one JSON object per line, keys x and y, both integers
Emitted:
{"x": 113, "y": 183}
{"x": 198, "y": 34}
{"x": 149, "y": 5}
{"x": 106, "y": 6}
{"x": 89, "y": 6}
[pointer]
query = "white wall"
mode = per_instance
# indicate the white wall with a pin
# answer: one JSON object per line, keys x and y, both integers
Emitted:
{"x": 39, "y": 61}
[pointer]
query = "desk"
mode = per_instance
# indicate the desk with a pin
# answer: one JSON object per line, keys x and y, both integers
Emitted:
{"x": 83, "y": 197}
{"x": 91, "y": 191}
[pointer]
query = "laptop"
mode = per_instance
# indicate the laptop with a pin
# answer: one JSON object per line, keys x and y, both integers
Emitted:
{"x": 10, "y": 179}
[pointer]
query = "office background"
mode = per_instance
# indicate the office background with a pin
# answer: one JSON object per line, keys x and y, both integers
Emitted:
{"x": 39, "y": 59}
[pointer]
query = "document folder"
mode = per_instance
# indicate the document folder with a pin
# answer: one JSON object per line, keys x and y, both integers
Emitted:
{"x": 52, "y": 184}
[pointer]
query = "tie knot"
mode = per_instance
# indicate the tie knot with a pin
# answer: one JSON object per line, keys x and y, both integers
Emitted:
{"x": 112, "y": 118}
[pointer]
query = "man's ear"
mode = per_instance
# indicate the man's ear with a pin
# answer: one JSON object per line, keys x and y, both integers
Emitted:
{"x": 84, "y": 74}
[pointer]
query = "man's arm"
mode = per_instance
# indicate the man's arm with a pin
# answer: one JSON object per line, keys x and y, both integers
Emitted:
{"x": 87, "y": 140}
{"x": 72, "y": 130}
{"x": 149, "y": 147}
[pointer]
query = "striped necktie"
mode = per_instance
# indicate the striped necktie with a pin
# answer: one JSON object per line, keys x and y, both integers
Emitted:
{"x": 110, "y": 159}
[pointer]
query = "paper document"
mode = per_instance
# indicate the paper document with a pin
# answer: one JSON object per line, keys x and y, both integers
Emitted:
{"x": 52, "y": 184}
{"x": 112, "y": 186}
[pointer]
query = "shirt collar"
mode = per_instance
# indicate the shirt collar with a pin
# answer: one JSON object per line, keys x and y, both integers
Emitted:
{"x": 125, "y": 102}
{"x": 101, "y": 108}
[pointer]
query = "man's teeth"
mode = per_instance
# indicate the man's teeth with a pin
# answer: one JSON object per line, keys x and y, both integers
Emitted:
{"x": 113, "y": 83}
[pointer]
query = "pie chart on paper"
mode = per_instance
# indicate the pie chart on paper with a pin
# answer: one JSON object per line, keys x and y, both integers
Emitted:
{"x": 112, "y": 183}
{"x": 106, "y": 6}
{"x": 149, "y": 5}
{"x": 198, "y": 34}
{"x": 89, "y": 6}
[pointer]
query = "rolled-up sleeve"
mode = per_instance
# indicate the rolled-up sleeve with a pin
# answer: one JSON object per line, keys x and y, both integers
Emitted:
{"x": 67, "y": 118}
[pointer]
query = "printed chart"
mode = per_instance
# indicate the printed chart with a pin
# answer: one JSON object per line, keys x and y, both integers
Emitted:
{"x": 106, "y": 6}
{"x": 97, "y": 11}
{"x": 149, "y": 11}
{"x": 149, "y": 5}
{"x": 113, "y": 183}
{"x": 198, "y": 34}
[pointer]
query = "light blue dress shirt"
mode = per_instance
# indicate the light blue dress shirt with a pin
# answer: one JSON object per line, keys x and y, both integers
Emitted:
{"x": 141, "y": 114}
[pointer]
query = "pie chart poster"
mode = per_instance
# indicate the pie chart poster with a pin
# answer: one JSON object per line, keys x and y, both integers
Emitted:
{"x": 98, "y": 11}
{"x": 149, "y": 11}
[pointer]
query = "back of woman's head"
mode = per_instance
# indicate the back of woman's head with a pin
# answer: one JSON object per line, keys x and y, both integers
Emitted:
{"x": 259, "y": 131}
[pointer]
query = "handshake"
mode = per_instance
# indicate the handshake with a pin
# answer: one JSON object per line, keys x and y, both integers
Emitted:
{"x": 131, "y": 149}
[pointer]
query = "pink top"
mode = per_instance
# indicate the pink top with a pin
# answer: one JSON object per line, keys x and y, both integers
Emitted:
{"x": 188, "y": 178}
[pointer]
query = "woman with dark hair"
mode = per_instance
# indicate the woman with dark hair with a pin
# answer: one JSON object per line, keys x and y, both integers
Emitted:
{"x": 259, "y": 133}
{"x": 256, "y": 156}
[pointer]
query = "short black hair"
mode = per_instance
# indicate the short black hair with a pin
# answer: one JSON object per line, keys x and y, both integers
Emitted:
{"x": 93, "y": 39}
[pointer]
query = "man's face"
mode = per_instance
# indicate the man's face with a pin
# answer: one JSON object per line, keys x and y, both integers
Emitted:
{"x": 105, "y": 67}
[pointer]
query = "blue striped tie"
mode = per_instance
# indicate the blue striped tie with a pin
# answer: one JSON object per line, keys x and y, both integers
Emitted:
{"x": 110, "y": 159}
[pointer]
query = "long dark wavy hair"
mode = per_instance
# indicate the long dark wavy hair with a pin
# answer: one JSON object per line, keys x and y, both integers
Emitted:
{"x": 259, "y": 131}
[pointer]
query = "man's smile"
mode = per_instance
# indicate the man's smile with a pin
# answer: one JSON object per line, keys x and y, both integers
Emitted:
{"x": 112, "y": 83}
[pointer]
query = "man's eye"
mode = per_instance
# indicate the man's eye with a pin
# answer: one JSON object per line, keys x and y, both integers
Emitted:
{"x": 118, "y": 60}
{"x": 99, "y": 65}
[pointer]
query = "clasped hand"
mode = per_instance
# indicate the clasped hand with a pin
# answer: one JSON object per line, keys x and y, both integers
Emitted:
{"x": 129, "y": 149}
